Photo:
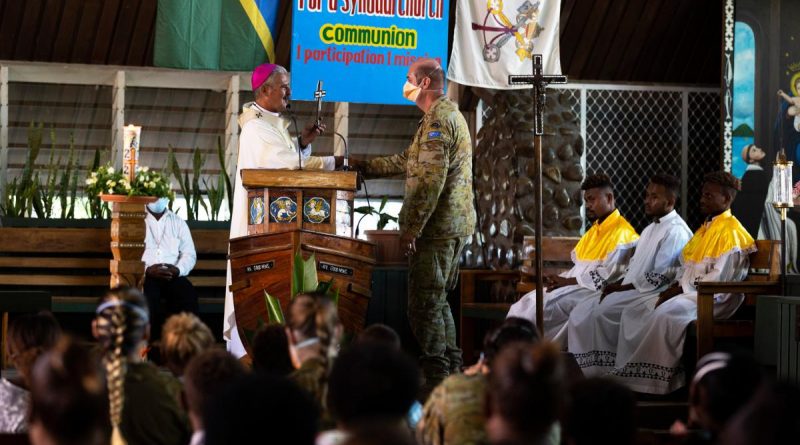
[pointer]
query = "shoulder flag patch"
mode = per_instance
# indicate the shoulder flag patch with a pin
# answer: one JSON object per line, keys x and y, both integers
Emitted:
{"x": 434, "y": 134}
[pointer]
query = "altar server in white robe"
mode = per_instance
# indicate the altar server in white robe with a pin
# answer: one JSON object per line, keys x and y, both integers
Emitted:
{"x": 593, "y": 325}
{"x": 600, "y": 257}
{"x": 652, "y": 331}
{"x": 265, "y": 142}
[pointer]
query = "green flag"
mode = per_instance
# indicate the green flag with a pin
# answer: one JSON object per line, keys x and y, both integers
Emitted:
{"x": 228, "y": 35}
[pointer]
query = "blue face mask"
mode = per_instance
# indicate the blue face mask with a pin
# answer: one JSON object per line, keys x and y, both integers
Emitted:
{"x": 158, "y": 206}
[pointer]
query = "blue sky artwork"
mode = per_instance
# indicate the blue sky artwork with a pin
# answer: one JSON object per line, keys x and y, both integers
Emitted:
{"x": 744, "y": 76}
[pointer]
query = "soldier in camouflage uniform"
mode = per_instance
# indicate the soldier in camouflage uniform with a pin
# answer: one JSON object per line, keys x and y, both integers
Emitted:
{"x": 437, "y": 215}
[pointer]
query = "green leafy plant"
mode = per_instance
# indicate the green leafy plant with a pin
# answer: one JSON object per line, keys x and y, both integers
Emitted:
{"x": 108, "y": 180}
{"x": 383, "y": 217}
{"x": 190, "y": 189}
{"x": 68, "y": 183}
{"x": 22, "y": 193}
{"x": 96, "y": 208}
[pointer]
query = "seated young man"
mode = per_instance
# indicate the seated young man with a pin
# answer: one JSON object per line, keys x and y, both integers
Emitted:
{"x": 600, "y": 257}
{"x": 169, "y": 256}
{"x": 593, "y": 326}
{"x": 653, "y": 330}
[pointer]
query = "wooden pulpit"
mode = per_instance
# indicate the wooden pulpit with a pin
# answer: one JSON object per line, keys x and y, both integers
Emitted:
{"x": 306, "y": 210}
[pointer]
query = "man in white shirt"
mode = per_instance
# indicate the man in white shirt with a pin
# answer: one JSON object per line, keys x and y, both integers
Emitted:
{"x": 169, "y": 256}
{"x": 593, "y": 326}
{"x": 265, "y": 142}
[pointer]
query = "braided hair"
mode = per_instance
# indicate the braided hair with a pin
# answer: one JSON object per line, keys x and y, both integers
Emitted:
{"x": 121, "y": 322}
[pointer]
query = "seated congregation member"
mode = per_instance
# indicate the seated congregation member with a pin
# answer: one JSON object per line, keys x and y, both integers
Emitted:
{"x": 525, "y": 393}
{"x": 206, "y": 375}
{"x": 771, "y": 416}
{"x": 454, "y": 412}
{"x": 370, "y": 383}
{"x": 271, "y": 351}
{"x": 721, "y": 386}
{"x": 29, "y": 336}
{"x": 183, "y": 337}
{"x": 314, "y": 333}
{"x": 599, "y": 258}
{"x": 68, "y": 399}
{"x": 261, "y": 409}
{"x": 144, "y": 402}
{"x": 600, "y": 412}
{"x": 168, "y": 257}
{"x": 593, "y": 325}
{"x": 653, "y": 330}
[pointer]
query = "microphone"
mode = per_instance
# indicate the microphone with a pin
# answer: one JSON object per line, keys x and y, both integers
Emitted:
{"x": 299, "y": 148}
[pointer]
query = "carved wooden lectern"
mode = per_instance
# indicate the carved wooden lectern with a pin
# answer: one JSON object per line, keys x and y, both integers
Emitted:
{"x": 307, "y": 210}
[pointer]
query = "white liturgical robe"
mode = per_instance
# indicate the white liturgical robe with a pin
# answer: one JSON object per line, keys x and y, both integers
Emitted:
{"x": 650, "y": 342}
{"x": 592, "y": 270}
{"x": 593, "y": 326}
{"x": 265, "y": 142}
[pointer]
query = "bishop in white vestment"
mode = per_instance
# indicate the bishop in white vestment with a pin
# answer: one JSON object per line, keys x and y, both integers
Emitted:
{"x": 265, "y": 142}
{"x": 593, "y": 325}
{"x": 652, "y": 331}
{"x": 601, "y": 256}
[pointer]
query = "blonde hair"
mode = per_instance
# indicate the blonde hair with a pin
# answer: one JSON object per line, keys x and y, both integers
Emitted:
{"x": 121, "y": 321}
{"x": 183, "y": 337}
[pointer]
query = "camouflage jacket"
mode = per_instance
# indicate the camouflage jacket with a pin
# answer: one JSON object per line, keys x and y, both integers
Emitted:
{"x": 438, "y": 199}
{"x": 453, "y": 414}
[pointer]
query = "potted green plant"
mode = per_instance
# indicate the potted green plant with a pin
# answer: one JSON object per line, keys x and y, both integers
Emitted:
{"x": 387, "y": 242}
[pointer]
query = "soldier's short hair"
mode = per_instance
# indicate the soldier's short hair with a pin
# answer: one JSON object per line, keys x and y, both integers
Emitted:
{"x": 727, "y": 181}
{"x": 597, "y": 180}
{"x": 669, "y": 182}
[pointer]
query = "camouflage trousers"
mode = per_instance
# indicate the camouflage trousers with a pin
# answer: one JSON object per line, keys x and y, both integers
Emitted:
{"x": 433, "y": 270}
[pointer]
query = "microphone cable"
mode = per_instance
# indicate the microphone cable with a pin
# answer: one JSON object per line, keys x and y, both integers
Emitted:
{"x": 299, "y": 138}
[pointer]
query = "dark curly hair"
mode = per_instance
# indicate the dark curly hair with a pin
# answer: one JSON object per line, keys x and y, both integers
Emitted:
{"x": 669, "y": 182}
{"x": 597, "y": 180}
{"x": 727, "y": 181}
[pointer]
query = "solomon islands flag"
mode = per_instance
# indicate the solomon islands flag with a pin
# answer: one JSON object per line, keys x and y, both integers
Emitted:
{"x": 230, "y": 35}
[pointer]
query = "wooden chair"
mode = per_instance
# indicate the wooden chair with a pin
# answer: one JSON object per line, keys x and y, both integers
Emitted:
{"x": 16, "y": 302}
{"x": 763, "y": 279}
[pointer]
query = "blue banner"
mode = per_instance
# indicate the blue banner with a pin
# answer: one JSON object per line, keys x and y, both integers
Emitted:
{"x": 361, "y": 49}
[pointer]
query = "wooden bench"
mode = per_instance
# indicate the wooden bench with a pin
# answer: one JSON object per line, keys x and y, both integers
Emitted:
{"x": 762, "y": 279}
{"x": 488, "y": 295}
{"x": 73, "y": 265}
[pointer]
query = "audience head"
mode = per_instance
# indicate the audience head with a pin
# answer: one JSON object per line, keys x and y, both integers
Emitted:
{"x": 380, "y": 334}
{"x": 313, "y": 319}
{"x": 370, "y": 382}
{"x": 719, "y": 191}
{"x": 661, "y": 195}
{"x": 513, "y": 330}
{"x": 771, "y": 416}
{"x": 380, "y": 433}
{"x": 271, "y": 351}
{"x": 29, "y": 336}
{"x": 598, "y": 196}
{"x": 261, "y": 409}
{"x": 722, "y": 384}
{"x": 183, "y": 337}
{"x": 205, "y": 375}
{"x": 121, "y": 325}
{"x": 600, "y": 412}
{"x": 68, "y": 399}
{"x": 525, "y": 393}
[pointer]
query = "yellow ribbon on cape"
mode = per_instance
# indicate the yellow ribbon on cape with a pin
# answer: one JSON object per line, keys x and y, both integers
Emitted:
{"x": 602, "y": 239}
{"x": 722, "y": 234}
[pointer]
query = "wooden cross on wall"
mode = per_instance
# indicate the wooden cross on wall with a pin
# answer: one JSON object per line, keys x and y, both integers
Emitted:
{"x": 538, "y": 81}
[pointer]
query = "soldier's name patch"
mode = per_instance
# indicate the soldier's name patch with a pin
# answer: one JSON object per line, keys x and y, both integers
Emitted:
{"x": 258, "y": 267}
{"x": 434, "y": 134}
{"x": 335, "y": 268}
